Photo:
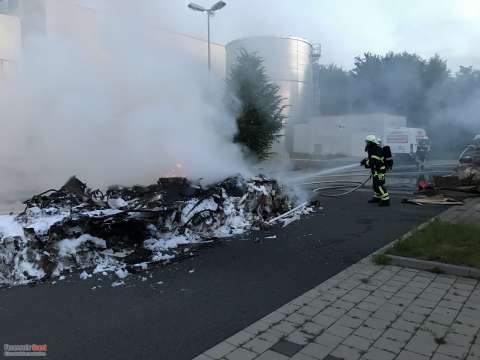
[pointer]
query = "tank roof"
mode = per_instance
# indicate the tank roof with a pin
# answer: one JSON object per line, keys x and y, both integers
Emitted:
{"x": 270, "y": 37}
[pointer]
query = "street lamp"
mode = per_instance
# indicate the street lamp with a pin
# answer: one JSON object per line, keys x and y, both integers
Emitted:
{"x": 210, "y": 12}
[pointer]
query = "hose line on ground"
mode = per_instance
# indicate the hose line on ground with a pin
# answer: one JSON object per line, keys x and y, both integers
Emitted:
{"x": 332, "y": 182}
{"x": 344, "y": 193}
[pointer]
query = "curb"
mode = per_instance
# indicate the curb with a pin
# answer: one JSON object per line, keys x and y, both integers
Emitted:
{"x": 418, "y": 264}
{"x": 304, "y": 299}
{"x": 434, "y": 266}
{"x": 407, "y": 235}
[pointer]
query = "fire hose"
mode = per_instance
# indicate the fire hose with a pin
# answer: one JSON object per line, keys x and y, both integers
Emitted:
{"x": 338, "y": 187}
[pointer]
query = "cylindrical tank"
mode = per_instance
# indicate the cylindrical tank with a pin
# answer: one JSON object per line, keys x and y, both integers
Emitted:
{"x": 288, "y": 63}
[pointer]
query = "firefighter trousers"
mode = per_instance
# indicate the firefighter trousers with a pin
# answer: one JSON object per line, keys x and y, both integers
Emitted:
{"x": 379, "y": 187}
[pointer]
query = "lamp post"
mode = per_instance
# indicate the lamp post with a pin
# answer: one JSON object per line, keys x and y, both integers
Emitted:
{"x": 210, "y": 12}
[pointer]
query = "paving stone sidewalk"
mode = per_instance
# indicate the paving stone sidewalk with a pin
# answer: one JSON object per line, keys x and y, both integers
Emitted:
{"x": 370, "y": 312}
{"x": 367, "y": 312}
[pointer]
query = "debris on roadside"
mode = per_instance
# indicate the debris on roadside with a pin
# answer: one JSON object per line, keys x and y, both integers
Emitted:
{"x": 84, "y": 275}
{"x": 127, "y": 229}
{"x": 117, "y": 283}
{"x": 466, "y": 178}
{"x": 432, "y": 200}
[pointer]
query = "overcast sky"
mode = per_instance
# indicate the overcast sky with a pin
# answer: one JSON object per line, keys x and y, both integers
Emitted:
{"x": 345, "y": 28}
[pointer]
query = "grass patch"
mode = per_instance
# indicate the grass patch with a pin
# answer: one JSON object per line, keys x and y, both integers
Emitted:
{"x": 457, "y": 244}
{"x": 437, "y": 270}
{"x": 382, "y": 259}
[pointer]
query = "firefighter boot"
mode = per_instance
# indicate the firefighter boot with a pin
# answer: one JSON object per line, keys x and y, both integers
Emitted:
{"x": 374, "y": 200}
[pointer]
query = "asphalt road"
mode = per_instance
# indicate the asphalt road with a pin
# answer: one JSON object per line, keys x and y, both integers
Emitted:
{"x": 232, "y": 285}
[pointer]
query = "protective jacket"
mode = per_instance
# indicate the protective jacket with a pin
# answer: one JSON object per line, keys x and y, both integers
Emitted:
{"x": 422, "y": 151}
{"x": 376, "y": 163}
{"x": 375, "y": 160}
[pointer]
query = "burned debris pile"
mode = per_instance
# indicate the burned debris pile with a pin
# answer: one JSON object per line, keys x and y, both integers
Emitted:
{"x": 454, "y": 188}
{"x": 128, "y": 228}
{"x": 466, "y": 177}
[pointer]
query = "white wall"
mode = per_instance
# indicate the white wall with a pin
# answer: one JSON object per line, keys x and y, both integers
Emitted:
{"x": 197, "y": 48}
{"x": 69, "y": 19}
{"x": 10, "y": 42}
{"x": 81, "y": 21}
{"x": 342, "y": 134}
{"x": 85, "y": 29}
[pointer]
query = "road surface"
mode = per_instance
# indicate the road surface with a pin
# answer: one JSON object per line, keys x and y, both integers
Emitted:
{"x": 207, "y": 298}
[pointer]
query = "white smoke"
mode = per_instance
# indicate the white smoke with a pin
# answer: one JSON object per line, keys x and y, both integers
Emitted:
{"x": 125, "y": 106}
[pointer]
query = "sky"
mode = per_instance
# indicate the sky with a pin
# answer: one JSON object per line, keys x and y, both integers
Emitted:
{"x": 344, "y": 28}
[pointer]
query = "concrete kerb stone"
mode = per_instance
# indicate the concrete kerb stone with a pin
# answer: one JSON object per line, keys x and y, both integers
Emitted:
{"x": 405, "y": 236}
{"x": 463, "y": 271}
{"x": 417, "y": 264}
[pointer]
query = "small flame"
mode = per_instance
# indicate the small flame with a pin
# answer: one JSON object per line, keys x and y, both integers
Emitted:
{"x": 176, "y": 171}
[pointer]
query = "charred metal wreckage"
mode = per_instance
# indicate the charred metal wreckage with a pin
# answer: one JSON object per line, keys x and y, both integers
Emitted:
{"x": 130, "y": 228}
{"x": 452, "y": 189}
{"x": 466, "y": 177}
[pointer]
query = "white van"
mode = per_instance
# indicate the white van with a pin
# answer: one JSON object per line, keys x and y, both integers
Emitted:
{"x": 403, "y": 141}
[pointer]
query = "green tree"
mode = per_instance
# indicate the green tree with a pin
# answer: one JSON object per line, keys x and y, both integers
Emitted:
{"x": 368, "y": 88}
{"x": 390, "y": 83}
{"x": 401, "y": 83}
{"x": 437, "y": 92}
{"x": 257, "y": 104}
{"x": 436, "y": 72}
{"x": 424, "y": 90}
{"x": 333, "y": 88}
{"x": 467, "y": 81}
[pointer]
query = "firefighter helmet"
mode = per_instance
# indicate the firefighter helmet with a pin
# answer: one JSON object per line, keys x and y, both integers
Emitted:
{"x": 372, "y": 139}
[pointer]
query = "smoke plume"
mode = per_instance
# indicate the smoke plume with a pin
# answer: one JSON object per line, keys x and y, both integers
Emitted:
{"x": 120, "y": 104}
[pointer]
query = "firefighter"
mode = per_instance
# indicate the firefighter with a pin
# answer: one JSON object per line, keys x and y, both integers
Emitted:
{"x": 375, "y": 161}
{"x": 423, "y": 148}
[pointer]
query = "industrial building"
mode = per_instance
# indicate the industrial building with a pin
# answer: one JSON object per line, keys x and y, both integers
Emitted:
{"x": 20, "y": 20}
{"x": 10, "y": 38}
{"x": 341, "y": 135}
{"x": 289, "y": 62}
